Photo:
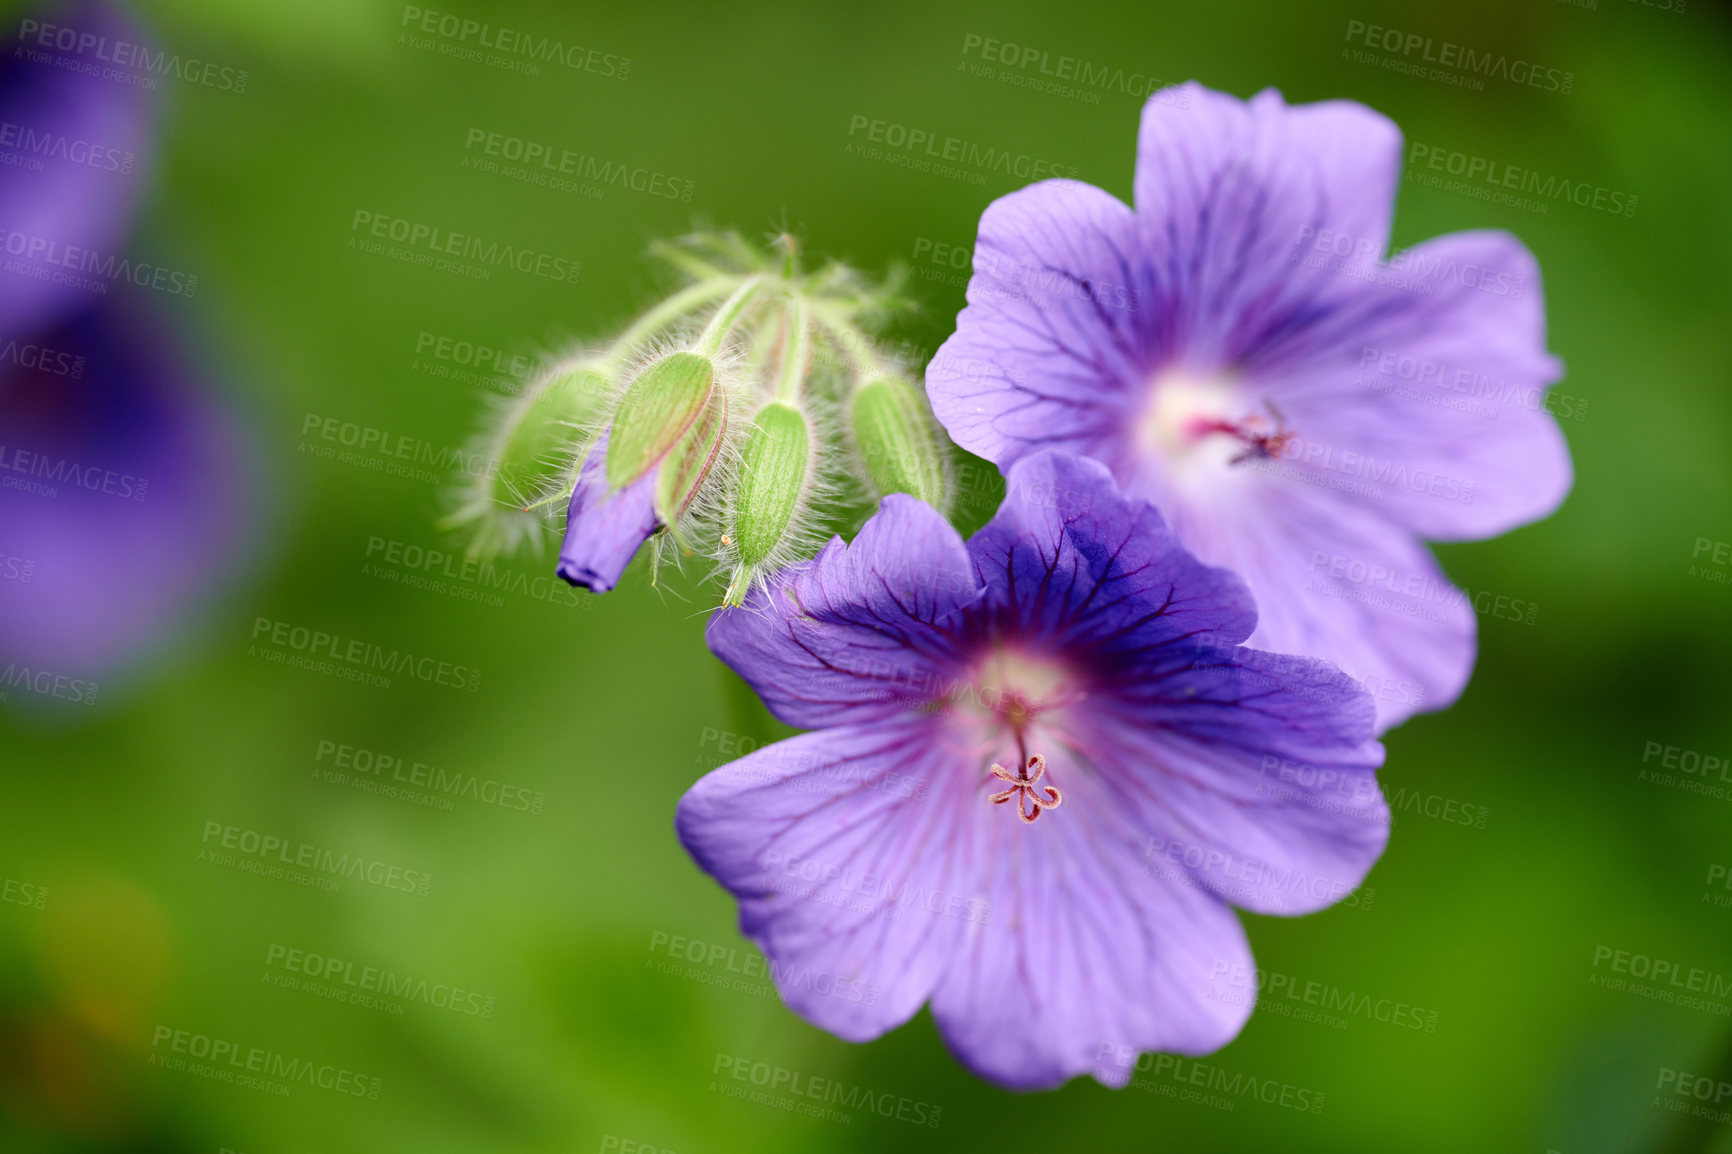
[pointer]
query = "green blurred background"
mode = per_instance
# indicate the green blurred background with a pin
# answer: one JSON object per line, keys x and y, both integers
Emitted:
{"x": 562, "y": 920}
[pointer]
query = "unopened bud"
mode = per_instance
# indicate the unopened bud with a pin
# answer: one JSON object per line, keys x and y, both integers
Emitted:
{"x": 657, "y": 409}
{"x": 536, "y": 442}
{"x": 775, "y": 471}
{"x": 690, "y": 462}
{"x": 542, "y": 433}
{"x": 898, "y": 443}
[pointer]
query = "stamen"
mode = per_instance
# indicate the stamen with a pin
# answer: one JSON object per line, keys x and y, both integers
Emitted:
{"x": 1261, "y": 445}
{"x": 1030, "y": 797}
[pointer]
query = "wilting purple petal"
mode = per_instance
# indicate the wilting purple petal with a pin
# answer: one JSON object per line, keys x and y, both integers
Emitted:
{"x": 1091, "y": 654}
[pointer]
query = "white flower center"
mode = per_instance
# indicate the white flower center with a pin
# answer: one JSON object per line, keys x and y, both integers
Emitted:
{"x": 1197, "y": 426}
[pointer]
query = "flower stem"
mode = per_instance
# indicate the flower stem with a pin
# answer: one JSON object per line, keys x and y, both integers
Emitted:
{"x": 687, "y": 300}
{"x": 796, "y": 350}
{"x": 710, "y": 340}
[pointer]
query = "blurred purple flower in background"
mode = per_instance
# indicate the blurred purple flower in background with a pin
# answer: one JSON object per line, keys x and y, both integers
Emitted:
{"x": 123, "y": 494}
{"x": 1072, "y": 644}
{"x": 1238, "y": 351}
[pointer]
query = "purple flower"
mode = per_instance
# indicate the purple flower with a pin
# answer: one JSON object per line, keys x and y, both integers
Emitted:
{"x": 1075, "y": 653}
{"x": 75, "y": 149}
{"x": 1238, "y": 351}
{"x": 123, "y": 493}
{"x": 604, "y": 529}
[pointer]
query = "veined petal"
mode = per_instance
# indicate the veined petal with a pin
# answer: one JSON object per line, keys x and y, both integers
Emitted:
{"x": 1257, "y": 779}
{"x": 856, "y": 870}
{"x": 1052, "y": 325}
{"x": 1089, "y": 955}
{"x": 853, "y": 634}
{"x": 1430, "y": 385}
{"x": 1234, "y": 198}
{"x": 1070, "y": 557}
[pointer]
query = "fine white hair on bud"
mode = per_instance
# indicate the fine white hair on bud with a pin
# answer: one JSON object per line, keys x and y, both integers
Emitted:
{"x": 898, "y": 441}
{"x": 717, "y": 422}
{"x": 531, "y": 446}
{"x": 775, "y": 490}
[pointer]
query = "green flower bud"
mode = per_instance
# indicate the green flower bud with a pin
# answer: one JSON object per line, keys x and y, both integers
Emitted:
{"x": 541, "y": 434}
{"x": 688, "y": 466}
{"x": 657, "y": 409}
{"x": 533, "y": 447}
{"x": 894, "y": 433}
{"x": 775, "y": 471}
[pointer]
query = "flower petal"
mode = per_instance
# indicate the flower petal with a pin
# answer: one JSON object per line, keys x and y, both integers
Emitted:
{"x": 854, "y": 870}
{"x": 1088, "y": 956}
{"x": 126, "y": 494}
{"x": 1257, "y": 778}
{"x": 1431, "y": 388}
{"x": 1234, "y": 197}
{"x": 851, "y": 635}
{"x": 1052, "y": 312}
{"x": 605, "y": 529}
{"x": 67, "y": 210}
{"x": 1103, "y": 569}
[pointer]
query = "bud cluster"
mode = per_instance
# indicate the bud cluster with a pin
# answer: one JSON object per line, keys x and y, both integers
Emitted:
{"x": 728, "y": 420}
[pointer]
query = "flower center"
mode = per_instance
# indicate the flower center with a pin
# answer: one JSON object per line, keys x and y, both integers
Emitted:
{"x": 1197, "y": 425}
{"x": 1014, "y": 693}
